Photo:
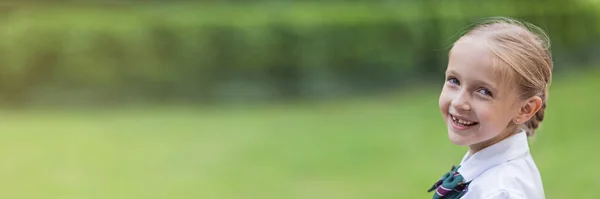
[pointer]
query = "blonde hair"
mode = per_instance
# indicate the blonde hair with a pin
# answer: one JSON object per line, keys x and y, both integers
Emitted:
{"x": 526, "y": 49}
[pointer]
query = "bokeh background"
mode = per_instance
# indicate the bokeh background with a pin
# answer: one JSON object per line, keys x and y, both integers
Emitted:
{"x": 266, "y": 99}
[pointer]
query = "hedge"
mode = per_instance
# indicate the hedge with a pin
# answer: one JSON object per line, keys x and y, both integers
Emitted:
{"x": 89, "y": 54}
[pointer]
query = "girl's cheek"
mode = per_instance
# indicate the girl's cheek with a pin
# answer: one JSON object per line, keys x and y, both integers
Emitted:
{"x": 443, "y": 97}
{"x": 445, "y": 101}
{"x": 447, "y": 95}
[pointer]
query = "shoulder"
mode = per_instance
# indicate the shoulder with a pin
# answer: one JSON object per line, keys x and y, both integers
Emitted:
{"x": 504, "y": 194}
{"x": 514, "y": 179}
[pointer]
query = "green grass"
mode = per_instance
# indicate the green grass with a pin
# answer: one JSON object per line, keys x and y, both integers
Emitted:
{"x": 373, "y": 147}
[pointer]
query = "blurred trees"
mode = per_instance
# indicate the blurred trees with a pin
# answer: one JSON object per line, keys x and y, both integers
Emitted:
{"x": 77, "y": 53}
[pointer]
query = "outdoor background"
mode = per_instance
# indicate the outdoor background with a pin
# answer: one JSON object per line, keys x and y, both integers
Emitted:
{"x": 265, "y": 99}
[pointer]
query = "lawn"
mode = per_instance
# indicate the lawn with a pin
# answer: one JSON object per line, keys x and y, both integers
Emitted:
{"x": 381, "y": 147}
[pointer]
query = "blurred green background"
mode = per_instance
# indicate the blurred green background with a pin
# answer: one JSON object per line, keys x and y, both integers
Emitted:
{"x": 265, "y": 99}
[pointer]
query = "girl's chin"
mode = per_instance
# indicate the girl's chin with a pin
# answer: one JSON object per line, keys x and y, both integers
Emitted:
{"x": 460, "y": 139}
{"x": 459, "y": 142}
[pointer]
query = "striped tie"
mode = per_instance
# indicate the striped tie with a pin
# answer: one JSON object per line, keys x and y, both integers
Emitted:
{"x": 451, "y": 185}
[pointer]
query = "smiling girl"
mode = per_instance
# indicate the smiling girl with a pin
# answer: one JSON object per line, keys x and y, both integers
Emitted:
{"x": 493, "y": 99}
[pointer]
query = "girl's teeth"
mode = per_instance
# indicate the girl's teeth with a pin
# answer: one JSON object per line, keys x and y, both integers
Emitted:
{"x": 462, "y": 121}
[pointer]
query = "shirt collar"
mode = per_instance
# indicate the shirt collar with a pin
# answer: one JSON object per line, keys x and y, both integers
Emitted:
{"x": 508, "y": 149}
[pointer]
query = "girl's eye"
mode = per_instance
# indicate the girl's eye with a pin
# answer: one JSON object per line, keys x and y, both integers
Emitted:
{"x": 453, "y": 80}
{"x": 485, "y": 92}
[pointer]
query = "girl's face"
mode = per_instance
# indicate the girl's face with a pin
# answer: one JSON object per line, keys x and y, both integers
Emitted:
{"x": 476, "y": 104}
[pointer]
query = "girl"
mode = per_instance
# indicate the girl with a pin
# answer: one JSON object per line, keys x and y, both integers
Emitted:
{"x": 494, "y": 99}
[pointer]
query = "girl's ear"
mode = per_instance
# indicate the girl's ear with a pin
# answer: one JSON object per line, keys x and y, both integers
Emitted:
{"x": 528, "y": 109}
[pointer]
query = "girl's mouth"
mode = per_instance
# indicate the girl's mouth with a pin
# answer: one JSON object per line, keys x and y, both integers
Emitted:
{"x": 461, "y": 122}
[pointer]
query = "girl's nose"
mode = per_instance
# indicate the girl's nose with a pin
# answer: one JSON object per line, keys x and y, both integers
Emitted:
{"x": 466, "y": 107}
{"x": 461, "y": 102}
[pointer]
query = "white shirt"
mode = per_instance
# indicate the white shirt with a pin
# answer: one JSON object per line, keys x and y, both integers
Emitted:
{"x": 504, "y": 170}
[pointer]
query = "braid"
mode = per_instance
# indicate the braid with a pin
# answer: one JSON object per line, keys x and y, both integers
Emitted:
{"x": 535, "y": 121}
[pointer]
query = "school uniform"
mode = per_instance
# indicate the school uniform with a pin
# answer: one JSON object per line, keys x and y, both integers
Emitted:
{"x": 504, "y": 170}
